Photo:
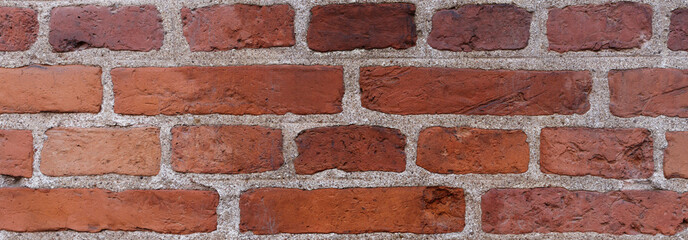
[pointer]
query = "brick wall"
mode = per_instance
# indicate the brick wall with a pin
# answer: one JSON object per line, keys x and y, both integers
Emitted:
{"x": 328, "y": 119}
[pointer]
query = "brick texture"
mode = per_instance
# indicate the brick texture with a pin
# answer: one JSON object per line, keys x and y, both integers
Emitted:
{"x": 412, "y": 90}
{"x": 131, "y": 28}
{"x": 237, "y": 90}
{"x": 620, "y": 25}
{"x": 16, "y": 153}
{"x": 678, "y": 30}
{"x": 60, "y": 89}
{"x": 19, "y": 28}
{"x": 351, "y": 149}
{"x": 649, "y": 92}
{"x": 469, "y": 150}
{"x": 223, "y": 27}
{"x": 480, "y": 28}
{"x": 676, "y": 155}
{"x": 94, "y": 210}
{"x": 608, "y": 153}
{"x": 94, "y": 151}
{"x": 226, "y": 149}
{"x": 341, "y": 27}
{"x": 352, "y": 210}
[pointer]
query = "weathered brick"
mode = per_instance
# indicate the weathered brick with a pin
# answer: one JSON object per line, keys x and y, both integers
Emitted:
{"x": 94, "y": 210}
{"x": 413, "y": 90}
{"x": 351, "y": 149}
{"x": 224, "y": 27}
{"x": 16, "y": 153}
{"x": 676, "y": 155}
{"x": 543, "y": 210}
{"x": 648, "y": 92}
{"x": 94, "y": 151}
{"x": 608, "y": 153}
{"x": 470, "y": 150}
{"x": 134, "y": 28}
{"x": 226, "y": 149}
{"x": 62, "y": 89}
{"x": 480, "y": 28}
{"x": 276, "y": 89}
{"x": 19, "y": 28}
{"x": 619, "y": 25}
{"x": 352, "y": 210}
{"x": 341, "y": 27}
{"x": 678, "y": 30}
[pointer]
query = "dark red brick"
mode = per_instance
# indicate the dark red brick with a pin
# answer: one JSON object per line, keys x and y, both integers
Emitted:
{"x": 19, "y": 28}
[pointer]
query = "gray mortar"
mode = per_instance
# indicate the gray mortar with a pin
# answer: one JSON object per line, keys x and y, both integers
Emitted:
{"x": 175, "y": 52}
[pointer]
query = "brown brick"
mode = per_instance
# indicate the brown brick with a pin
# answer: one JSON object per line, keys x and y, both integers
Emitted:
{"x": 412, "y": 90}
{"x": 543, "y": 210}
{"x": 224, "y": 27}
{"x": 94, "y": 210}
{"x": 62, "y": 89}
{"x": 676, "y": 155}
{"x": 226, "y": 149}
{"x": 342, "y": 27}
{"x": 480, "y": 28}
{"x": 94, "y": 151}
{"x": 19, "y": 28}
{"x": 649, "y": 92}
{"x": 351, "y": 149}
{"x": 608, "y": 153}
{"x": 275, "y": 89}
{"x": 133, "y": 28}
{"x": 619, "y": 25}
{"x": 470, "y": 150}
{"x": 16, "y": 153}
{"x": 678, "y": 30}
{"x": 353, "y": 210}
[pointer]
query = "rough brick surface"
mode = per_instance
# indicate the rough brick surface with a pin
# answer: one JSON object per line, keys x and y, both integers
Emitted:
{"x": 516, "y": 211}
{"x": 678, "y": 30}
{"x": 608, "y": 153}
{"x": 133, "y": 28}
{"x": 649, "y": 92}
{"x": 619, "y": 25}
{"x": 470, "y": 150}
{"x": 223, "y": 27}
{"x": 341, "y": 27}
{"x": 94, "y": 210}
{"x": 276, "y": 89}
{"x": 94, "y": 151}
{"x": 480, "y": 27}
{"x": 37, "y": 88}
{"x": 676, "y": 155}
{"x": 19, "y": 28}
{"x": 16, "y": 153}
{"x": 351, "y": 149}
{"x": 226, "y": 149}
{"x": 352, "y": 210}
{"x": 413, "y": 90}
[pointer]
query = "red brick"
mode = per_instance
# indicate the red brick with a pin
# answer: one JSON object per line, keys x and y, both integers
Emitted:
{"x": 351, "y": 149}
{"x": 94, "y": 151}
{"x": 16, "y": 153}
{"x": 224, "y": 27}
{"x": 133, "y": 28}
{"x": 649, "y": 92}
{"x": 352, "y": 210}
{"x": 19, "y": 28}
{"x": 480, "y": 27}
{"x": 543, "y": 210}
{"x": 226, "y": 149}
{"x": 608, "y": 153}
{"x": 676, "y": 155}
{"x": 619, "y": 25}
{"x": 275, "y": 89}
{"x": 412, "y": 90}
{"x": 678, "y": 30}
{"x": 62, "y": 89}
{"x": 470, "y": 150}
{"x": 341, "y": 27}
{"x": 94, "y": 210}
